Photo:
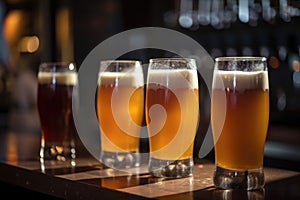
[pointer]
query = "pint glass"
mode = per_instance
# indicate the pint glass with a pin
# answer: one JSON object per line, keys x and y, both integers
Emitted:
{"x": 120, "y": 111}
{"x": 239, "y": 117}
{"x": 56, "y": 82}
{"x": 172, "y": 115}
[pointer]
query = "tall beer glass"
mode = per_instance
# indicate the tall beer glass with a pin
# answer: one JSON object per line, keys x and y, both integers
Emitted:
{"x": 172, "y": 111}
{"x": 239, "y": 117}
{"x": 120, "y": 111}
{"x": 56, "y": 82}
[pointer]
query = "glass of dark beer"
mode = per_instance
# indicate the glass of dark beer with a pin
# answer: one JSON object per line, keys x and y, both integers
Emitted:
{"x": 239, "y": 117}
{"x": 56, "y": 84}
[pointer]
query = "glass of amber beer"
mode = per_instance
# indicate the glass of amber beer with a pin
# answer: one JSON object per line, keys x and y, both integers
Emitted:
{"x": 172, "y": 111}
{"x": 120, "y": 111}
{"x": 56, "y": 82}
{"x": 239, "y": 117}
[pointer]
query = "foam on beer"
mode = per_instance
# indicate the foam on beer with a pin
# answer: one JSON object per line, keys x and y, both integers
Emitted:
{"x": 240, "y": 80}
{"x": 121, "y": 78}
{"x": 66, "y": 78}
{"x": 174, "y": 78}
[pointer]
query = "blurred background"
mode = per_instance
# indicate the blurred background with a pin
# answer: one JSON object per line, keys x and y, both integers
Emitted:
{"x": 34, "y": 31}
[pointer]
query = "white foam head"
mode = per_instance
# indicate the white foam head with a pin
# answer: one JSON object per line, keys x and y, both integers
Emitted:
{"x": 240, "y": 80}
{"x": 121, "y": 78}
{"x": 174, "y": 78}
{"x": 64, "y": 78}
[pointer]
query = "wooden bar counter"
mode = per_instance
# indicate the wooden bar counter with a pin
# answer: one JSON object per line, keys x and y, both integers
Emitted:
{"x": 22, "y": 173}
{"x": 88, "y": 179}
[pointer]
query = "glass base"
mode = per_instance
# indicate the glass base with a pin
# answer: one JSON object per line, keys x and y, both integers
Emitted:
{"x": 60, "y": 152}
{"x": 238, "y": 179}
{"x": 120, "y": 160}
{"x": 171, "y": 168}
{"x": 258, "y": 194}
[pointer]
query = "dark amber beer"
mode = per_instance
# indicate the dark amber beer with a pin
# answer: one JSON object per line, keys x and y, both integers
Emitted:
{"x": 239, "y": 118}
{"x": 55, "y": 111}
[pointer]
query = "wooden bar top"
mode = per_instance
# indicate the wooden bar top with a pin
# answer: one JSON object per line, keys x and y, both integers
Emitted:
{"x": 86, "y": 178}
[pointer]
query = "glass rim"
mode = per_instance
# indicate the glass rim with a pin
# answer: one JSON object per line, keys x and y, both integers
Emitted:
{"x": 240, "y": 58}
{"x": 57, "y": 63}
{"x": 120, "y": 61}
{"x": 171, "y": 59}
{"x": 62, "y": 66}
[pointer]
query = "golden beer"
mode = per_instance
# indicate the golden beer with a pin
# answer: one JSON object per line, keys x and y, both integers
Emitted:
{"x": 179, "y": 98}
{"x": 120, "y": 118}
{"x": 239, "y": 116}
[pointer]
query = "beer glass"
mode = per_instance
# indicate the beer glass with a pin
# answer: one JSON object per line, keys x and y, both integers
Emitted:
{"x": 239, "y": 117}
{"x": 120, "y": 111}
{"x": 56, "y": 82}
{"x": 172, "y": 111}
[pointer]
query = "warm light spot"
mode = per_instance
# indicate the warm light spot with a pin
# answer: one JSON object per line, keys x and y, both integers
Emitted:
{"x": 13, "y": 25}
{"x": 296, "y": 65}
{"x": 29, "y": 44}
{"x": 12, "y": 148}
{"x": 274, "y": 62}
{"x": 33, "y": 44}
{"x": 64, "y": 33}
